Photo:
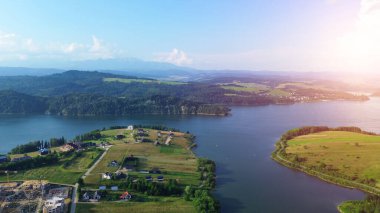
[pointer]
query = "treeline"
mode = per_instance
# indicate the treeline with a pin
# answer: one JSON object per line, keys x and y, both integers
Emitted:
{"x": 93, "y": 135}
{"x": 36, "y": 145}
{"x": 202, "y": 199}
{"x": 206, "y": 169}
{"x": 201, "y": 196}
{"x": 167, "y": 188}
{"x": 30, "y": 163}
{"x": 95, "y": 104}
{"x": 315, "y": 129}
{"x": 370, "y": 205}
{"x": 157, "y": 127}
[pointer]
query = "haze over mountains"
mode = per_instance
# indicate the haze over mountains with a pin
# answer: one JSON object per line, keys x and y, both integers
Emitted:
{"x": 168, "y": 71}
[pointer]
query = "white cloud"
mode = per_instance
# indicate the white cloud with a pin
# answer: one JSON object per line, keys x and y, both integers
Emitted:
{"x": 14, "y": 47}
{"x": 176, "y": 56}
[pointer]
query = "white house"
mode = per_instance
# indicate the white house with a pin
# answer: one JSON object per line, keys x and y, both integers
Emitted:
{"x": 107, "y": 176}
{"x": 130, "y": 127}
{"x": 54, "y": 205}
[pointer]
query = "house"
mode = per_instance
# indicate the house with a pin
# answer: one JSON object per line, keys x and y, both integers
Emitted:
{"x": 125, "y": 196}
{"x": 86, "y": 196}
{"x": 26, "y": 157}
{"x": 120, "y": 175}
{"x": 130, "y": 127}
{"x": 88, "y": 144}
{"x": 129, "y": 167}
{"x": 140, "y": 132}
{"x": 119, "y": 137}
{"x": 74, "y": 146}
{"x": 3, "y": 158}
{"x": 148, "y": 178}
{"x": 54, "y": 205}
{"x": 113, "y": 163}
{"x": 160, "y": 178}
{"x": 107, "y": 176}
{"x": 66, "y": 148}
{"x": 159, "y": 134}
{"x": 44, "y": 151}
{"x": 155, "y": 171}
{"x": 96, "y": 196}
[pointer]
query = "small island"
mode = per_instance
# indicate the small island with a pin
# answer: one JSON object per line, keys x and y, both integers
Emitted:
{"x": 119, "y": 169}
{"x": 347, "y": 156}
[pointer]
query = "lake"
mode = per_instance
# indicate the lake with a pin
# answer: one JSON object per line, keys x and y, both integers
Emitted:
{"x": 241, "y": 144}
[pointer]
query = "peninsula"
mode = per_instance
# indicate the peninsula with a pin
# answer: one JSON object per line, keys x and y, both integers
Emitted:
{"x": 347, "y": 156}
{"x": 118, "y": 169}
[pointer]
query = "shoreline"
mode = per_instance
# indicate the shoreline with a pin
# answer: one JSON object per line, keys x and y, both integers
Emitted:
{"x": 327, "y": 177}
{"x": 277, "y": 155}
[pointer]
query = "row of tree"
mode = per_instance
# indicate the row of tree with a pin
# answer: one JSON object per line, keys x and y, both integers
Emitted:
{"x": 315, "y": 129}
{"x": 36, "y": 145}
{"x": 30, "y": 163}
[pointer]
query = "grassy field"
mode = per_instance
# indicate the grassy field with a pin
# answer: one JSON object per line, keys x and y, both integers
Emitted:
{"x": 67, "y": 171}
{"x": 302, "y": 85}
{"x": 169, "y": 205}
{"x": 253, "y": 88}
{"x": 176, "y": 160}
{"x": 144, "y": 81}
{"x": 352, "y": 154}
{"x": 245, "y": 87}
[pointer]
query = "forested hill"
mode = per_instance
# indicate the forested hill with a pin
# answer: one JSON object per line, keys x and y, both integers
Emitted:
{"x": 14, "y": 102}
{"x": 96, "y": 93}
{"x": 91, "y": 104}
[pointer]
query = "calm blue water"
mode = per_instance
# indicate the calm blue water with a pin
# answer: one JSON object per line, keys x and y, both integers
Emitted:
{"x": 241, "y": 144}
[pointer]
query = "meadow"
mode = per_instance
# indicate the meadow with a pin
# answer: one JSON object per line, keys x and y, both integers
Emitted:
{"x": 354, "y": 155}
{"x": 67, "y": 171}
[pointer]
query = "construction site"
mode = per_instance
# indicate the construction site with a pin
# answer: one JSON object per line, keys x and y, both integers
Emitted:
{"x": 34, "y": 196}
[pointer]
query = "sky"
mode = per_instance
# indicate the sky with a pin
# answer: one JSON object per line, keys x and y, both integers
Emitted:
{"x": 277, "y": 35}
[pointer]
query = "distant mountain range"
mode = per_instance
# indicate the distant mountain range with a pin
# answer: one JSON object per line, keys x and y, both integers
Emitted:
{"x": 167, "y": 71}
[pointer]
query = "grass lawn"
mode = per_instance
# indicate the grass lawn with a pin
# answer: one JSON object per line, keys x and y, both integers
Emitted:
{"x": 67, "y": 171}
{"x": 353, "y": 154}
{"x": 174, "y": 205}
{"x": 246, "y": 87}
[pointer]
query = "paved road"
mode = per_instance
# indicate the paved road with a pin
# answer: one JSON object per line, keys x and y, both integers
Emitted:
{"x": 74, "y": 197}
{"x": 96, "y": 163}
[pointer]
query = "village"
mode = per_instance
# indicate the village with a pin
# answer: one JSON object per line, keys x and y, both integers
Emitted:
{"x": 100, "y": 182}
